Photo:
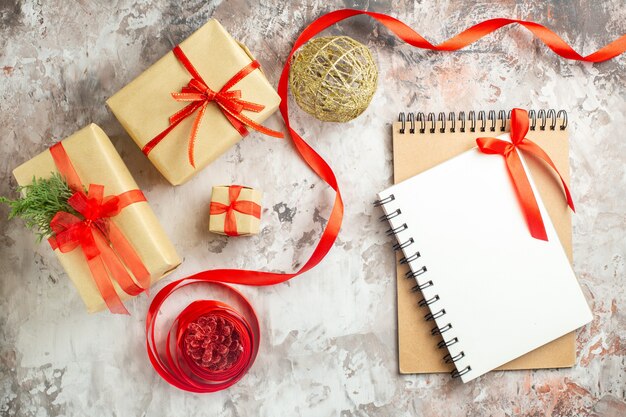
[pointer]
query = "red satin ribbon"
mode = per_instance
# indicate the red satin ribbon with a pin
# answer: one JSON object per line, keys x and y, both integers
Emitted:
{"x": 184, "y": 360}
{"x": 65, "y": 166}
{"x": 108, "y": 253}
{"x": 319, "y": 165}
{"x": 519, "y": 129}
{"x": 200, "y": 95}
{"x": 242, "y": 206}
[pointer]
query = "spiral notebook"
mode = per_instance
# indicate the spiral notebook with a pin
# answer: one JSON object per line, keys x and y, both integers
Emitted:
{"x": 423, "y": 142}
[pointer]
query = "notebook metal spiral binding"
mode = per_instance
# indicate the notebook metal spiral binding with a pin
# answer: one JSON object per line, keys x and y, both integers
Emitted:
{"x": 470, "y": 122}
{"x": 432, "y": 315}
{"x": 480, "y": 121}
{"x": 457, "y": 374}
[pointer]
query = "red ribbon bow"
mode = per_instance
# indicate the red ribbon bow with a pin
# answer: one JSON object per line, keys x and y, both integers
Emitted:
{"x": 108, "y": 253}
{"x": 200, "y": 95}
{"x": 519, "y": 129}
{"x": 242, "y": 206}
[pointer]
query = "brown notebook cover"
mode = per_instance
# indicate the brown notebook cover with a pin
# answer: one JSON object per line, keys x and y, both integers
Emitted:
{"x": 433, "y": 142}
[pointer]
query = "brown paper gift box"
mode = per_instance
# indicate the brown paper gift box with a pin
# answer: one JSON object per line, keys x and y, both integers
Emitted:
{"x": 96, "y": 161}
{"x": 144, "y": 106}
{"x": 246, "y": 224}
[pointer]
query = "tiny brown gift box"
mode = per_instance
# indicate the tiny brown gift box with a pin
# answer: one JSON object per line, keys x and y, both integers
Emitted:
{"x": 246, "y": 224}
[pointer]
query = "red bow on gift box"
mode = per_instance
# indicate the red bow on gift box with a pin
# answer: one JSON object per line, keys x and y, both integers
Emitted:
{"x": 519, "y": 129}
{"x": 200, "y": 95}
{"x": 106, "y": 249}
{"x": 242, "y": 206}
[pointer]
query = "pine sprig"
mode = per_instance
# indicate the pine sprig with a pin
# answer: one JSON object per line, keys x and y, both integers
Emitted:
{"x": 39, "y": 202}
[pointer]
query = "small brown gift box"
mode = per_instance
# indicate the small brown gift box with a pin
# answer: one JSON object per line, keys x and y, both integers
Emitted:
{"x": 97, "y": 162}
{"x": 144, "y": 106}
{"x": 235, "y": 210}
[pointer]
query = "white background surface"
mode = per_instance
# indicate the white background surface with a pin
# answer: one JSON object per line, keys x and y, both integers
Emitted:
{"x": 329, "y": 337}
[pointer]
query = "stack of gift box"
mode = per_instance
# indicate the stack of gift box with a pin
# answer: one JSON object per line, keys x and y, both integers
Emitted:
{"x": 184, "y": 111}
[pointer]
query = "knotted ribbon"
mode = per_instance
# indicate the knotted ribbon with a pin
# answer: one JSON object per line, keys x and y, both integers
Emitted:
{"x": 321, "y": 168}
{"x": 108, "y": 253}
{"x": 234, "y": 204}
{"x": 199, "y": 94}
{"x": 519, "y": 129}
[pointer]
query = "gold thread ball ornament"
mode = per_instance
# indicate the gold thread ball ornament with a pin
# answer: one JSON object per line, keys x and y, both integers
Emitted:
{"x": 333, "y": 78}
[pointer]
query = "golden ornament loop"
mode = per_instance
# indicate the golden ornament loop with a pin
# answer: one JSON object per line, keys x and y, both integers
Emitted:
{"x": 333, "y": 78}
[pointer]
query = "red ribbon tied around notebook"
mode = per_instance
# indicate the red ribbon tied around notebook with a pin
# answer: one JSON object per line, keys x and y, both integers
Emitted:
{"x": 107, "y": 251}
{"x": 519, "y": 129}
{"x": 234, "y": 204}
{"x": 321, "y": 167}
{"x": 199, "y": 94}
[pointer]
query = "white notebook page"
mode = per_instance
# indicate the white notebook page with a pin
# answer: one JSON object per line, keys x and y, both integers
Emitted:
{"x": 504, "y": 292}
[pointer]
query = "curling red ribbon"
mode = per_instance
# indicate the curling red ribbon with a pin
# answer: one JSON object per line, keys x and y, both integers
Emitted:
{"x": 321, "y": 167}
{"x": 108, "y": 253}
{"x": 209, "y": 345}
{"x": 199, "y": 94}
{"x": 519, "y": 129}
{"x": 234, "y": 204}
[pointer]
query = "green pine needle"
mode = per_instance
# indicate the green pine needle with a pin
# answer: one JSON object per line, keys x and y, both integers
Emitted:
{"x": 39, "y": 202}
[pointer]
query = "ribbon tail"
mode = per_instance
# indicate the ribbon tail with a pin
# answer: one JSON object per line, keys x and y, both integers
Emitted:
{"x": 526, "y": 197}
{"x": 105, "y": 286}
{"x": 535, "y": 150}
{"x": 251, "y": 123}
{"x": 129, "y": 256}
{"x": 239, "y": 127}
{"x": 194, "y": 133}
{"x": 185, "y": 96}
{"x": 117, "y": 270}
{"x": 248, "y": 105}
